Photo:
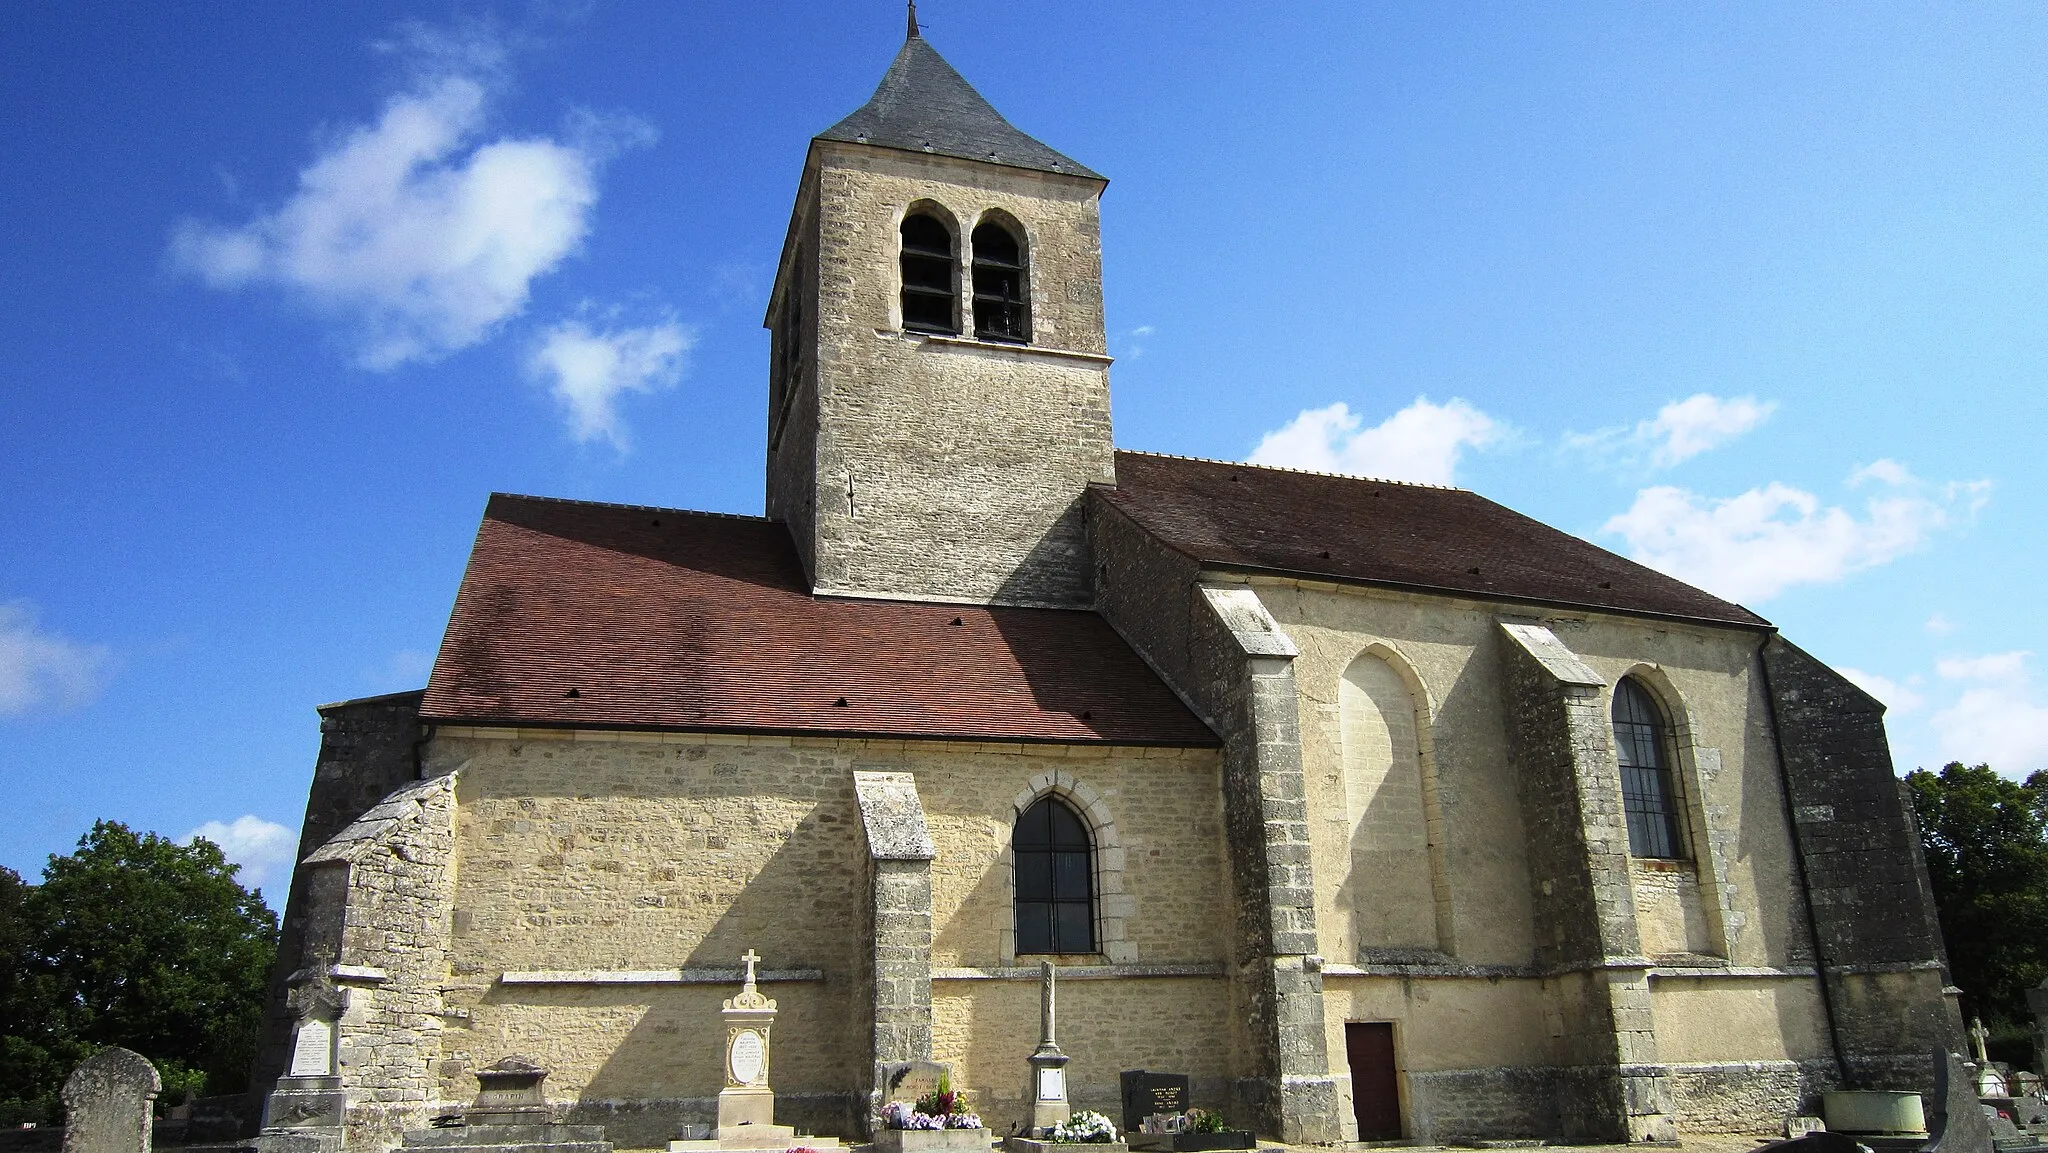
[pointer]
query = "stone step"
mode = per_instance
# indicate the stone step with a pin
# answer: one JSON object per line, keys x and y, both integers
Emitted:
{"x": 465, "y": 1136}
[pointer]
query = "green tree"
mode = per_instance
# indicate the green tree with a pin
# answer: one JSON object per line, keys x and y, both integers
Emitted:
{"x": 138, "y": 941}
{"x": 1985, "y": 838}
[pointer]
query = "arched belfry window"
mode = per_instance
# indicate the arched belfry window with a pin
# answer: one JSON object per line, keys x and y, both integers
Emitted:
{"x": 1000, "y": 312}
{"x": 930, "y": 276}
{"x": 1642, "y": 741}
{"x": 1055, "y": 896}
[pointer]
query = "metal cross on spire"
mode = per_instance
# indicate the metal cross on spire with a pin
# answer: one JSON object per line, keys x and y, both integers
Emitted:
{"x": 912, "y": 33}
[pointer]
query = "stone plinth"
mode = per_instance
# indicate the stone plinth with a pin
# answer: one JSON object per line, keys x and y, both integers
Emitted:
{"x": 510, "y": 1139}
{"x": 932, "y": 1141}
{"x": 1033, "y": 1145}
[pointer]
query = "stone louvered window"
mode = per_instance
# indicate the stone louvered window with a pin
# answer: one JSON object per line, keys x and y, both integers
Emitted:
{"x": 1000, "y": 311}
{"x": 930, "y": 276}
{"x": 1055, "y": 898}
{"x": 1642, "y": 742}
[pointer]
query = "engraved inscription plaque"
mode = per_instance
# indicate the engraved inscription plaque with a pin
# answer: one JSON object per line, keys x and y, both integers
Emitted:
{"x": 1052, "y": 1084}
{"x": 747, "y": 1056}
{"x": 313, "y": 1049}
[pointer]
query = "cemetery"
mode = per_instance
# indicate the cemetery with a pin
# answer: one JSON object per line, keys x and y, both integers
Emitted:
{"x": 1979, "y": 1106}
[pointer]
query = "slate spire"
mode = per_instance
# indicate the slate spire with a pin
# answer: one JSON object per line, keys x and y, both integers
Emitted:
{"x": 923, "y": 105}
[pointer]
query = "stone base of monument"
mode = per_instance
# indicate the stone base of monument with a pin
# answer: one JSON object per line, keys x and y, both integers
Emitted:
{"x": 546, "y": 1138}
{"x": 932, "y": 1141}
{"x": 1192, "y": 1142}
{"x": 1034, "y": 1145}
{"x": 775, "y": 1138}
{"x": 303, "y": 1115}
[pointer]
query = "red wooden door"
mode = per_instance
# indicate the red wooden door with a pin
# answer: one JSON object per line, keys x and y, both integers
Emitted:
{"x": 1375, "y": 1095}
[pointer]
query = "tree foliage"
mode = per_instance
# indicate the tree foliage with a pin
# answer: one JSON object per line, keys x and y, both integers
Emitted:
{"x": 1986, "y": 842}
{"x": 131, "y": 940}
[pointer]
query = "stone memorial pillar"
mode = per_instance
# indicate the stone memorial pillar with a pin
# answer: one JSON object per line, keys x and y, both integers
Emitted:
{"x": 1048, "y": 1089}
{"x": 107, "y": 1103}
{"x": 309, "y": 1100}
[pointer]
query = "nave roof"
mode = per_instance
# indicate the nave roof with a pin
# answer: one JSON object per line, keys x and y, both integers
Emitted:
{"x": 581, "y": 615}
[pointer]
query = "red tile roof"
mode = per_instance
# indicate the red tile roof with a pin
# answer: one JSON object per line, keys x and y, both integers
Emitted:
{"x": 607, "y": 616}
{"x": 1240, "y": 516}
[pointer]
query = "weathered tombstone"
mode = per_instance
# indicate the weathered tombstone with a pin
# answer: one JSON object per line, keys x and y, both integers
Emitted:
{"x": 107, "y": 1103}
{"x": 1150, "y": 1094}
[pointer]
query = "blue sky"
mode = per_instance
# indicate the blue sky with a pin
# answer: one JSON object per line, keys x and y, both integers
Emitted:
{"x": 1754, "y": 293}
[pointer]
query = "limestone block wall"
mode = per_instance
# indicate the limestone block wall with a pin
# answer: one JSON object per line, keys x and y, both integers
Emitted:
{"x": 380, "y": 892}
{"x": 612, "y": 872}
{"x": 984, "y": 448}
{"x": 1225, "y": 654}
{"x": 1107, "y": 1023}
{"x": 366, "y": 750}
{"x": 1734, "y": 907}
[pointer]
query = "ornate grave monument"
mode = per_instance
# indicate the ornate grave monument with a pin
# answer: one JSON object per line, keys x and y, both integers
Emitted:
{"x": 307, "y": 1107}
{"x": 746, "y": 1106}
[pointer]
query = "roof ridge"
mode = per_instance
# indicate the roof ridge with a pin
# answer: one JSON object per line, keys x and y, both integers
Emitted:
{"x": 634, "y": 507}
{"x": 1302, "y": 471}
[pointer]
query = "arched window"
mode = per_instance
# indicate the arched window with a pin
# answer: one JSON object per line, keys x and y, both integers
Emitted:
{"x": 1642, "y": 741}
{"x": 1055, "y": 896}
{"x": 1000, "y": 312}
{"x": 930, "y": 295}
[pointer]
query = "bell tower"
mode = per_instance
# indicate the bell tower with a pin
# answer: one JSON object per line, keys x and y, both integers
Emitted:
{"x": 939, "y": 387}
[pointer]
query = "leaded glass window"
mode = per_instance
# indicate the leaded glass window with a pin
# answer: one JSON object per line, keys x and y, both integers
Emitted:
{"x": 1055, "y": 897}
{"x": 1642, "y": 742}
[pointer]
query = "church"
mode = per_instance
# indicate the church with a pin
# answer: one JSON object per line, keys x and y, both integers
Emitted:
{"x": 1378, "y": 810}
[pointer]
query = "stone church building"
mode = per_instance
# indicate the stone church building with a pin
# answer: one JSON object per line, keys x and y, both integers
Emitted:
{"x": 1377, "y": 809}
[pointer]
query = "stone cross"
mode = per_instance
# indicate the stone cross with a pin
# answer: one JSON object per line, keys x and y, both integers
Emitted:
{"x": 107, "y": 1103}
{"x": 1978, "y": 1035}
{"x": 751, "y": 958}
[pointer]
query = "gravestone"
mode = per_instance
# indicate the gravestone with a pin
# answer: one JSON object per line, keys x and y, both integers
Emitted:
{"x": 107, "y": 1103}
{"x": 307, "y": 1106}
{"x": 1147, "y": 1094}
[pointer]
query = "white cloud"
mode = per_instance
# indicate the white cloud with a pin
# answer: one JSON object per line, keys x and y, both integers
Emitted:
{"x": 265, "y": 849}
{"x": 588, "y": 369}
{"x": 1989, "y": 667}
{"x": 1420, "y": 443}
{"x": 1756, "y": 545}
{"x": 1681, "y": 430}
{"x": 1998, "y": 719}
{"x": 1940, "y": 625}
{"x": 1897, "y": 698}
{"x": 41, "y": 669}
{"x": 415, "y": 231}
